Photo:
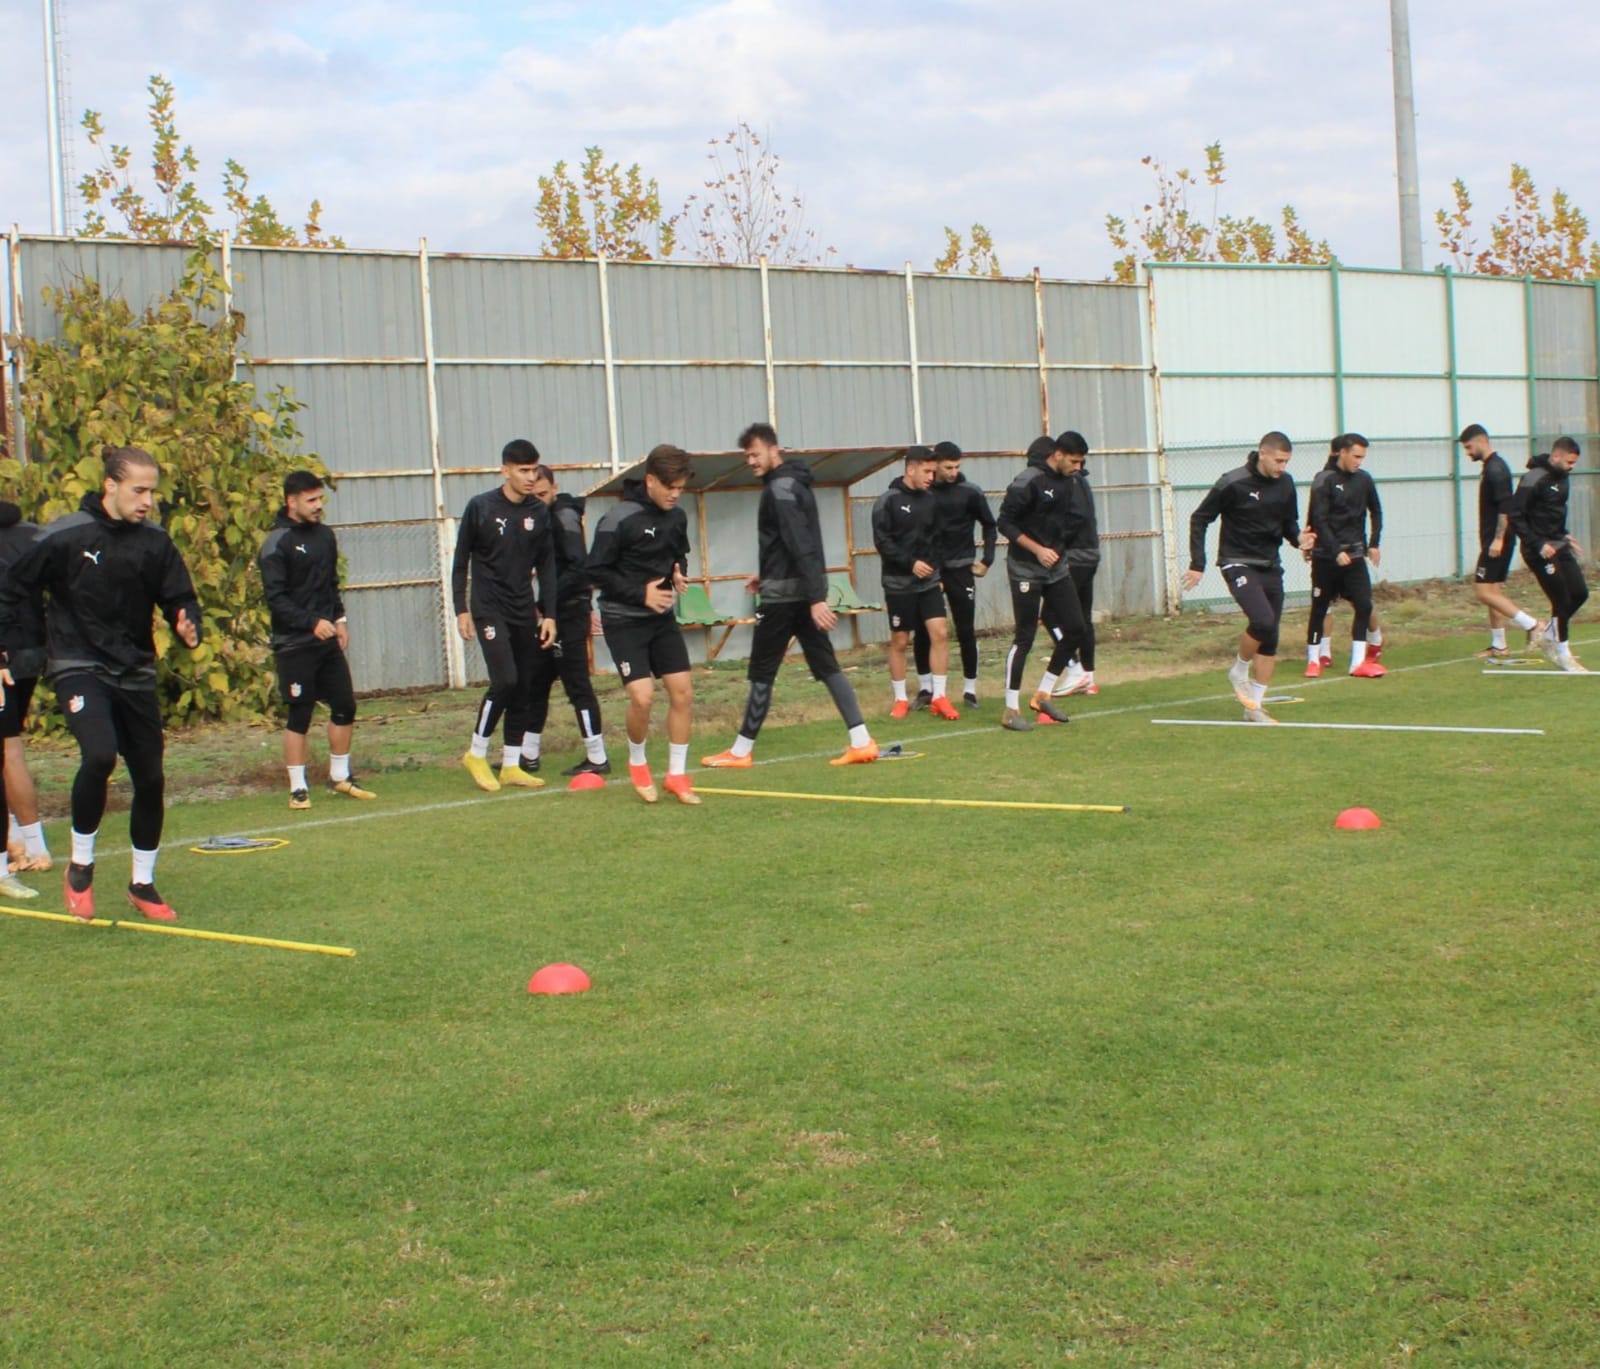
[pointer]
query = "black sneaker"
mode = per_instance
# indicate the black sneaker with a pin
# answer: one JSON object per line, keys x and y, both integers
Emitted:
{"x": 923, "y": 699}
{"x": 145, "y": 898}
{"x": 589, "y": 767}
{"x": 530, "y": 766}
{"x": 970, "y": 699}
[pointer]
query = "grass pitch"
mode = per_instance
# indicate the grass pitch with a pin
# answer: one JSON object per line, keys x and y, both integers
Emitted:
{"x": 1205, "y": 1083}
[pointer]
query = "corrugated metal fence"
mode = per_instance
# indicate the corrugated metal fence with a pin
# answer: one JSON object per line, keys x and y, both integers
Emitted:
{"x": 415, "y": 369}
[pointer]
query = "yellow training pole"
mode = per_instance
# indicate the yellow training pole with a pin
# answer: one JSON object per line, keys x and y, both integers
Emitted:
{"x": 920, "y": 803}
{"x": 192, "y": 932}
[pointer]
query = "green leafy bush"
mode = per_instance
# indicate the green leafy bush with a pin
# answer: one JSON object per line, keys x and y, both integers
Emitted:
{"x": 164, "y": 380}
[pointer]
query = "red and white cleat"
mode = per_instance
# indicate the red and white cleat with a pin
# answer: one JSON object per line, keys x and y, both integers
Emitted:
{"x": 150, "y": 904}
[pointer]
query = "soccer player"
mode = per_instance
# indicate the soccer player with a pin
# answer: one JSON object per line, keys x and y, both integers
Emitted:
{"x": 1256, "y": 503}
{"x": 962, "y": 506}
{"x": 1549, "y": 550}
{"x": 299, "y": 564}
{"x": 906, "y": 534}
{"x": 569, "y": 658}
{"x": 1496, "y": 498}
{"x": 1343, "y": 499}
{"x": 793, "y": 584}
{"x": 1039, "y": 518}
{"x": 106, "y": 569}
{"x": 639, "y": 564}
{"x": 1083, "y": 560}
{"x": 503, "y": 542}
{"x": 26, "y": 849}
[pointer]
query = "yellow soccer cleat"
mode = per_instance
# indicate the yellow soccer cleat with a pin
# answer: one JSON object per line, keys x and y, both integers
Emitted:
{"x": 351, "y": 788}
{"x": 482, "y": 774}
{"x": 515, "y": 777}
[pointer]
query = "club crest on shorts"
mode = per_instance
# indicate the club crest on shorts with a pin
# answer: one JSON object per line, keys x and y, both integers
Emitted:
{"x": 488, "y": 633}
{"x": 1241, "y": 582}
{"x": 1023, "y": 587}
{"x": 76, "y": 703}
{"x": 295, "y": 690}
{"x": 625, "y": 669}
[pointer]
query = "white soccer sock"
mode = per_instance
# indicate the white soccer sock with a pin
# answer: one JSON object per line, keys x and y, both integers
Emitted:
{"x": 479, "y": 747}
{"x": 33, "y": 838}
{"x": 1375, "y": 636}
{"x": 1013, "y": 699}
{"x": 1522, "y": 620}
{"x": 510, "y": 757}
{"x": 925, "y": 683}
{"x": 594, "y": 747}
{"x": 297, "y": 777}
{"x": 83, "y": 847}
{"x": 14, "y": 831}
{"x": 144, "y": 866}
{"x": 1313, "y": 653}
{"x": 1047, "y": 682}
{"x": 743, "y": 745}
{"x": 1258, "y": 691}
{"x": 969, "y": 686}
{"x": 940, "y": 683}
{"x": 1326, "y": 646}
{"x": 1358, "y": 653}
{"x": 636, "y": 755}
{"x": 338, "y": 767}
{"x": 531, "y": 743}
{"x": 899, "y": 690}
{"x": 1497, "y": 636}
{"x": 677, "y": 758}
{"x": 859, "y": 736}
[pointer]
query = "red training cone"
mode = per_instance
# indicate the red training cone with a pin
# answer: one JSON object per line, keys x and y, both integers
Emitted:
{"x": 559, "y": 978}
{"x": 587, "y": 780}
{"x": 1358, "y": 820}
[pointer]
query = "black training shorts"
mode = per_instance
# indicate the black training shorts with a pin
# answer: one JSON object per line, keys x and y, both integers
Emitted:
{"x": 910, "y": 609}
{"x": 642, "y": 647}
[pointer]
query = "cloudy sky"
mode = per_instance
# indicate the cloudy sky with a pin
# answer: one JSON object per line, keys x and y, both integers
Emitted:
{"x": 417, "y": 117}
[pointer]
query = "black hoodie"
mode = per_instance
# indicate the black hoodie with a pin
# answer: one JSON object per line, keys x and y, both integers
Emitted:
{"x": 637, "y": 544}
{"x": 1257, "y": 514}
{"x": 572, "y": 551}
{"x": 789, "y": 538}
{"x": 1541, "y": 511}
{"x": 105, "y": 577}
{"x": 27, "y": 651}
{"x": 299, "y": 565}
{"x": 961, "y": 504}
{"x": 500, "y": 546}
{"x": 1337, "y": 511}
{"x": 1042, "y": 503}
{"x": 905, "y": 530}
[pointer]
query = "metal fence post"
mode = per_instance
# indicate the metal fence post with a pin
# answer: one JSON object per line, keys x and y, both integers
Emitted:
{"x": 1533, "y": 364}
{"x": 610, "y": 365}
{"x": 1338, "y": 344}
{"x": 1044, "y": 361}
{"x": 16, "y": 434}
{"x": 766, "y": 342}
{"x": 911, "y": 335}
{"x": 1172, "y": 600}
{"x": 444, "y": 543}
{"x": 1455, "y": 415}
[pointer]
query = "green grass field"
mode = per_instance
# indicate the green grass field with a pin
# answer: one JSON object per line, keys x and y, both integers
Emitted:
{"x": 1206, "y": 1083}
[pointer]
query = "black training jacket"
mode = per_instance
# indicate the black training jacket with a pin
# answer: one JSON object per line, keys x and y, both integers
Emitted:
{"x": 789, "y": 553}
{"x": 1042, "y": 503}
{"x": 105, "y": 578}
{"x": 299, "y": 565}
{"x": 1084, "y": 548}
{"x": 905, "y": 530}
{"x": 1541, "y": 512}
{"x": 1496, "y": 496}
{"x": 1257, "y": 514}
{"x": 961, "y": 504}
{"x": 637, "y": 544}
{"x": 27, "y": 650}
{"x": 572, "y": 551}
{"x": 1337, "y": 512}
{"x": 500, "y": 547}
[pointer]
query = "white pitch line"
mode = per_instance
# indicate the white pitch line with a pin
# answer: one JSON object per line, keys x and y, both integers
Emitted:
{"x": 1518, "y": 674}
{"x": 1352, "y": 727}
{"x": 371, "y": 815}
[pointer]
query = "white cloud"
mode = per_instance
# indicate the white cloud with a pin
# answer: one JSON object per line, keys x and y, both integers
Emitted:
{"x": 893, "y": 119}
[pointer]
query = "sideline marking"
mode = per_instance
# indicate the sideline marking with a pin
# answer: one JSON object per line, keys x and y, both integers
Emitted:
{"x": 1352, "y": 727}
{"x": 1520, "y": 674}
{"x": 445, "y": 805}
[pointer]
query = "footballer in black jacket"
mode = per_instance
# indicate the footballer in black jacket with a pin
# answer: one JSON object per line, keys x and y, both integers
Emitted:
{"x": 106, "y": 569}
{"x": 792, "y": 580}
{"x": 1549, "y": 550}
{"x": 504, "y": 542}
{"x": 1345, "y": 517}
{"x": 299, "y": 563}
{"x": 639, "y": 564}
{"x": 1256, "y": 502}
